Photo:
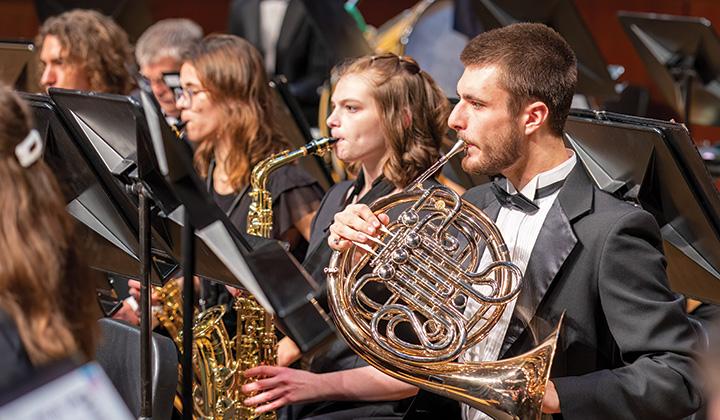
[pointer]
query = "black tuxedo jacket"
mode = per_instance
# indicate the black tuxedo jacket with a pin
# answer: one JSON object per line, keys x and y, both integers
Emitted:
{"x": 301, "y": 55}
{"x": 626, "y": 346}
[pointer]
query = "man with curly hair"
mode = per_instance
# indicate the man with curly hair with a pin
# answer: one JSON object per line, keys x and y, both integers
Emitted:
{"x": 86, "y": 50}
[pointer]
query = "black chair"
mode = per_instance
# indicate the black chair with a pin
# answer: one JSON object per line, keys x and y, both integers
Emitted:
{"x": 119, "y": 355}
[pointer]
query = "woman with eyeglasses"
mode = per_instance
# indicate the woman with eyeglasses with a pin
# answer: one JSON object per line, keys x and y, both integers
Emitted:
{"x": 48, "y": 310}
{"x": 227, "y": 105}
{"x": 390, "y": 119}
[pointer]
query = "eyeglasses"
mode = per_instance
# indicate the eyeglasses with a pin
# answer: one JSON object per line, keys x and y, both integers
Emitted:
{"x": 407, "y": 63}
{"x": 186, "y": 95}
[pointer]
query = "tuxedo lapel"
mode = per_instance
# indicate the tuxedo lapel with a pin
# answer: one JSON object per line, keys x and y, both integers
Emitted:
{"x": 552, "y": 247}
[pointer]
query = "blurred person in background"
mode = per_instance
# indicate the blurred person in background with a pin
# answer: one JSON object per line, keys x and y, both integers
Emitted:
{"x": 85, "y": 50}
{"x": 161, "y": 50}
{"x": 290, "y": 44}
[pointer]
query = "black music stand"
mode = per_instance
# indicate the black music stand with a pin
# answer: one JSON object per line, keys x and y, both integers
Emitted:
{"x": 594, "y": 75}
{"x": 107, "y": 128}
{"x": 96, "y": 204}
{"x": 682, "y": 55}
{"x": 285, "y": 287}
{"x": 655, "y": 163}
{"x": 286, "y": 290}
{"x": 14, "y": 58}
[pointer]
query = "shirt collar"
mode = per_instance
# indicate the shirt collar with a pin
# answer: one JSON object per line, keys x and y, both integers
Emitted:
{"x": 543, "y": 179}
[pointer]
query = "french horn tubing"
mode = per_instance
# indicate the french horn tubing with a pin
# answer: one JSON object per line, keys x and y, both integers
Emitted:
{"x": 399, "y": 302}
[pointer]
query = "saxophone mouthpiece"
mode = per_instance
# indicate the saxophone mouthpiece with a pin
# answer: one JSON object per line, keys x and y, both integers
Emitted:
{"x": 319, "y": 144}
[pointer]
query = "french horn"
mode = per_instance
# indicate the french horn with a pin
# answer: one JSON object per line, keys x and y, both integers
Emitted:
{"x": 399, "y": 302}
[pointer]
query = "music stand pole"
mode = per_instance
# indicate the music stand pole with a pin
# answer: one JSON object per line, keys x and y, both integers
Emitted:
{"x": 145, "y": 306}
{"x": 188, "y": 263}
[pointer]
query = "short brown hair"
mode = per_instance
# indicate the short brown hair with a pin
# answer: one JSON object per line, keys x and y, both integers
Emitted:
{"x": 400, "y": 86}
{"x": 232, "y": 71}
{"x": 536, "y": 64}
{"x": 95, "y": 43}
{"x": 43, "y": 288}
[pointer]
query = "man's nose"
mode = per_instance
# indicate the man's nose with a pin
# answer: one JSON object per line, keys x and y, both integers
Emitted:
{"x": 48, "y": 77}
{"x": 456, "y": 120}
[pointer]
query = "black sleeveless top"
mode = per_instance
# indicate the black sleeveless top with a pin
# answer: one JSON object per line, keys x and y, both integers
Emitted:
{"x": 338, "y": 356}
{"x": 294, "y": 194}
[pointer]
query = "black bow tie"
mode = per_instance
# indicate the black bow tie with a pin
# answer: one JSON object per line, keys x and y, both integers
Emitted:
{"x": 520, "y": 202}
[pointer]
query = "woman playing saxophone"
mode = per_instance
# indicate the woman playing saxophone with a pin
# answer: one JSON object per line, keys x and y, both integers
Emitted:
{"x": 226, "y": 106}
{"x": 390, "y": 119}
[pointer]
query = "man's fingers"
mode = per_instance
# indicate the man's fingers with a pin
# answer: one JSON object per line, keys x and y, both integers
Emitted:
{"x": 338, "y": 244}
{"x": 366, "y": 214}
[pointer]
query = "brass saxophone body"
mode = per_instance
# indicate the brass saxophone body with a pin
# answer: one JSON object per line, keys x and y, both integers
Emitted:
{"x": 260, "y": 218}
{"x": 218, "y": 360}
{"x": 256, "y": 342}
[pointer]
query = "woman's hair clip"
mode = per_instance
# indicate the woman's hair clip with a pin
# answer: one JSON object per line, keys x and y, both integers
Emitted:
{"x": 30, "y": 149}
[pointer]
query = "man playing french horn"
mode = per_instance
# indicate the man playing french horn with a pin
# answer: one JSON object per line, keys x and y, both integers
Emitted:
{"x": 625, "y": 348}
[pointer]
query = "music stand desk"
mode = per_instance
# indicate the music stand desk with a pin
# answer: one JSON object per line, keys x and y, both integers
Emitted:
{"x": 682, "y": 55}
{"x": 655, "y": 164}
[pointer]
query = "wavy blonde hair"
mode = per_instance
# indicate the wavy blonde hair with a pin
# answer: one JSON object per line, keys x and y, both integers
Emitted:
{"x": 232, "y": 71}
{"x": 95, "y": 43}
{"x": 401, "y": 89}
{"x": 43, "y": 287}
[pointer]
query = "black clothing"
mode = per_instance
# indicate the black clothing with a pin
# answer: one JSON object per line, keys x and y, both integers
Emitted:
{"x": 301, "y": 55}
{"x": 294, "y": 194}
{"x": 626, "y": 346}
{"x": 15, "y": 365}
{"x": 339, "y": 356}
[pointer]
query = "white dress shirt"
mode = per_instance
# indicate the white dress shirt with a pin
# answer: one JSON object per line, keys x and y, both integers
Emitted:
{"x": 520, "y": 231}
{"x": 272, "y": 14}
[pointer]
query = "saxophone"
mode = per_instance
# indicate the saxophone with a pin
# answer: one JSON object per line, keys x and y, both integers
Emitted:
{"x": 260, "y": 218}
{"x": 256, "y": 343}
{"x": 218, "y": 360}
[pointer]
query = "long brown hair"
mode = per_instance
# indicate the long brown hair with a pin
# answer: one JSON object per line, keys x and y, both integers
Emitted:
{"x": 232, "y": 71}
{"x": 53, "y": 308}
{"x": 95, "y": 43}
{"x": 399, "y": 88}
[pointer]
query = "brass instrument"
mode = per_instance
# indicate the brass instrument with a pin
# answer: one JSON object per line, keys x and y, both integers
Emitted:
{"x": 259, "y": 220}
{"x": 179, "y": 129}
{"x": 415, "y": 328}
{"x": 218, "y": 367}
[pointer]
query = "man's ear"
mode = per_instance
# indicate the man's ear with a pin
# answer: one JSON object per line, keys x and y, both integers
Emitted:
{"x": 535, "y": 115}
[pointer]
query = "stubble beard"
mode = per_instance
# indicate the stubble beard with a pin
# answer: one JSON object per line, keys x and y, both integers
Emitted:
{"x": 506, "y": 150}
